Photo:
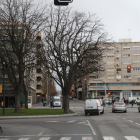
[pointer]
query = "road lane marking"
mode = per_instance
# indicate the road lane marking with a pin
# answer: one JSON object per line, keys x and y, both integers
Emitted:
{"x": 45, "y": 138}
{"x": 24, "y": 139}
{"x": 137, "y": 123}
{"x": 130, "y": 121}
{"x": 5, "y": 139}
{"x": 87, "y": 138}
{"x": 51, "y": 121}
{"x": 91, "y": 128}
{"x": 131, "y": 138}
{"x": 108, "y": 138}
{"x": 72, "y": 121}
{"x": 65, "y": 138}
{"x": 81, "y": 122}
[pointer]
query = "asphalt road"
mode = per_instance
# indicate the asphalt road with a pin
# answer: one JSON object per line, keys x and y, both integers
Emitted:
{"x": 108, "y": 126}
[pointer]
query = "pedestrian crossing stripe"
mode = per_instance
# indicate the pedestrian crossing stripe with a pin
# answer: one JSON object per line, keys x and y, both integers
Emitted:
{"x": 45, "y": 138}
{"x": 70, "y": 138}
{"x": 131, "y": 138}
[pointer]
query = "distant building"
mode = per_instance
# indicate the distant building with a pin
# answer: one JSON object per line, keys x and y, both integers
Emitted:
{"x": 115, "y": 78}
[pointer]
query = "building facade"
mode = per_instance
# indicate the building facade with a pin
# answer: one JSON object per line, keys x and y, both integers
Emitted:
{"x": 115, "y": 78}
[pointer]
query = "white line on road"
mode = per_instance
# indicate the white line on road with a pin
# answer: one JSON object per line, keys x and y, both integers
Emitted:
{"x": 65, "y": 138}
{"x": 108, "y": 138}
{"x": 130, "y": 121}
{"x": 137, "y": 123}
{"x": 87, "y": 138}
{"x": 5, "y": 139}
{"x": 51, "y": 121}
{"x": 72, "y": 121}
{"x": 91, "y": 128}
{"x": 24, "y": 139}
{"x": 131, "y": 138}
{"x": 45, "y": 138}
{"x": 81, "y": 122}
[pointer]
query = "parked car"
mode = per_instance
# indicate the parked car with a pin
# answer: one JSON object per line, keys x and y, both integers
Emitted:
{"x": 119, "y": 106}
{"x": 139, "y": 109}
{"x": 94, "y": 106}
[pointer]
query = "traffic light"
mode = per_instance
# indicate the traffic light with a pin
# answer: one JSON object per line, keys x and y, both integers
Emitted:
{"x": 62, "y": 2}
{"x": 109, "y": 93}
{"x": 128, "y": 69}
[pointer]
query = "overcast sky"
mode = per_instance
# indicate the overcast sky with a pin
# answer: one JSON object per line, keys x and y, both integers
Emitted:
{"x": 120, "y": 17}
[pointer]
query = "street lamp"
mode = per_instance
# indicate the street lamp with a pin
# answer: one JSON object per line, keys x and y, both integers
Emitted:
{"x": 3, "y": 89}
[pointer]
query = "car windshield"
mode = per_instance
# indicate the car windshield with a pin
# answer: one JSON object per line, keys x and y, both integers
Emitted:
{"x": 119, "y": 103}
{"x": 57, "y": 100}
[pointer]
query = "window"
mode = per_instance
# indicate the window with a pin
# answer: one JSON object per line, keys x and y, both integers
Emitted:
{"x": 111, "y": 55}
{"x": 110, "y": 48}
{"x": 126, "y": 76}
{"x": 126, "y": 48}
{"x": 126, "y": 62}
{"x": 136, "y": 69}
{"x": 126, "y": 55}
{"x": 136, "y": 55}
{"x": 118, "y": 69}
{"x": 136, "y": 62}
{"x": 136, "y": 47}
{"x": 110, "y": 63}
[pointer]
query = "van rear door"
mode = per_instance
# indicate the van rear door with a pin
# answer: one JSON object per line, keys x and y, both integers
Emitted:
{"x": 91, "y": 104}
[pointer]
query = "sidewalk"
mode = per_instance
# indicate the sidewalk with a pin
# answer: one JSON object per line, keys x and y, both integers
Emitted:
{"x": 38, "y": 106}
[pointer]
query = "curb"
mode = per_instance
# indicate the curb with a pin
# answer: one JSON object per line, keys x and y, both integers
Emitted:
{"x": 40, "y": 116}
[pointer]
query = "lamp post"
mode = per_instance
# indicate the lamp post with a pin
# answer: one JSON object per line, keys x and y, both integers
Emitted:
{"x": 3, "y": 89}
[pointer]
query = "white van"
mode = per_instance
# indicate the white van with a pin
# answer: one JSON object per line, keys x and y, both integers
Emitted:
{"x": 94, "y": 106}
{"x": 56, "y": 101}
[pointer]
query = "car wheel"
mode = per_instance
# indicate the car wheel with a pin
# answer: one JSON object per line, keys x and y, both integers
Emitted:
{"x": 103, "y": 111}
{"x": 126, "y": 111}
{"x": 112, "y": 111}
{"x": 85, "y": 114}
{"x": 138, "y": 110}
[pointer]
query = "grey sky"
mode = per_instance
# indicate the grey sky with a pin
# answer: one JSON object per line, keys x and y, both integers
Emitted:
{"x": 120, "y": 17}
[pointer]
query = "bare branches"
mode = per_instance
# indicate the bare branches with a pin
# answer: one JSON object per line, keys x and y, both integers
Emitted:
{"x": 68, "y": 37}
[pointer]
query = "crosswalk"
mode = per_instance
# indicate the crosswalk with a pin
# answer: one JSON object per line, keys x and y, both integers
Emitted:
{"x": 70, "y": 138}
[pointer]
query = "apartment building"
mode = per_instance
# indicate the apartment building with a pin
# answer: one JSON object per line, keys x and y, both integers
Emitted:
{"x": 115, "y": 78}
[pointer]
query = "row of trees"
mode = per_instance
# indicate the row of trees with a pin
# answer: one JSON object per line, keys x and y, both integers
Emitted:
{"x": 71, "y": 40}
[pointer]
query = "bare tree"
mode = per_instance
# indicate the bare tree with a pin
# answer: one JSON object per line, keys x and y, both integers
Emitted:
{"x": 73, "y": 46}
{"x": 19, "y": 23}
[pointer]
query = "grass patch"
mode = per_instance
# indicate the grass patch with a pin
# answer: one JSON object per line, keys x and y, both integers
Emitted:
{"x": 33, "y": 112}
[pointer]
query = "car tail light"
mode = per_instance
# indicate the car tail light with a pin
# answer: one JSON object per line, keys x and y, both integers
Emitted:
{"x": 124, "y": 105}
{"x": 97, "y": 105}
{"x": 85, "y": 106}
{"x": 114, "y": 105}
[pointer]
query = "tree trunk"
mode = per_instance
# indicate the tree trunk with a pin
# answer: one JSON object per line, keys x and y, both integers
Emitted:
{"x": 17, "y": 102}
{"x": 66, "y": 101}
{"x": 26, "y": 96}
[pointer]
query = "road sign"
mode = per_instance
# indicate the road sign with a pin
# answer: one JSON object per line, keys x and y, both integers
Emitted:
{"x": 65, "y": 0}
{"x": 0, "y": 88}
